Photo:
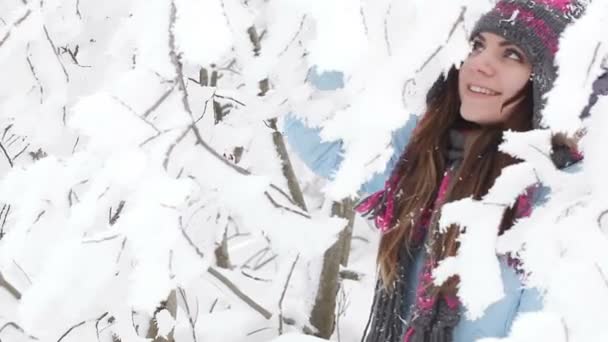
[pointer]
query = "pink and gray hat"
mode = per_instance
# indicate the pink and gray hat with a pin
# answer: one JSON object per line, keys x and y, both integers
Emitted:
{"x": 535, "y": 27}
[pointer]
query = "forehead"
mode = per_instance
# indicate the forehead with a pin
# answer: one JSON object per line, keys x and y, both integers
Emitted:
{"x": 495, "y": 38}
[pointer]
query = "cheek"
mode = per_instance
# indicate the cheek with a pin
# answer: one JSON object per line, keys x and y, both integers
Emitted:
{"x": 515, "y": 81}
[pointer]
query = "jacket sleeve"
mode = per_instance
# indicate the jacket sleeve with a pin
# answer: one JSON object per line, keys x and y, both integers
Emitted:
{"x": 324, "y": 158}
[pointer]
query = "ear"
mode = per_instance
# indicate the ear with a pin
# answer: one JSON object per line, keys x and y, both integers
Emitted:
{"x": 600, "y": 88}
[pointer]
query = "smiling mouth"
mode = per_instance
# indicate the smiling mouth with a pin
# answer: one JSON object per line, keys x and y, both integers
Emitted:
{"x": 481, "y": 90}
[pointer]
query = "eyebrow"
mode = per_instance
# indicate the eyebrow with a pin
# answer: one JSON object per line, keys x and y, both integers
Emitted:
{"x": 503, "y": 43}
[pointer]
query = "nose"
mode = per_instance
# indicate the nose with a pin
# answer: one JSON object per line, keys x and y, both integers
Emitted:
{"x": 482, "y": 63}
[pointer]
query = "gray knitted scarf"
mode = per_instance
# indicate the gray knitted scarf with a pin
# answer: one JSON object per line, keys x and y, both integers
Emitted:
{"x": 434, "y": 322}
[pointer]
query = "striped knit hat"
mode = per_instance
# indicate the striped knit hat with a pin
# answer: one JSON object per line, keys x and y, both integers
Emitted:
{"x": 535, "y": 27}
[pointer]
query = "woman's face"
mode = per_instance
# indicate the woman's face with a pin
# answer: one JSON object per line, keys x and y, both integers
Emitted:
{"x": 491, "y": 79}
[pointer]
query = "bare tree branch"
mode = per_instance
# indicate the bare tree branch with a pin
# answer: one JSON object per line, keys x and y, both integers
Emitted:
{"x": 246, "y": 299}
{"x": 75, "y": 144}
{"x": 78, "y": 9}
{"x": 254, "y": 277}
{"x": 142, "y": 118}
{"x": 122, "y": 248}
{"x": 29, "y": 280}
{"x": 116, "y": 216}
{"x": 295, "y": 36}
{"x": 33, "y": 71}
{"x": 261, "y": 253}
{"x": 190, "y": 319}
{"x": 386, "y": 38}
{"x": 260, "y": 265}
{"x": 8, "y": 209}
{"x": 158, "y": 102}
{"x": 97, "y": 325}
{"x": 458, "y": 21}
{"x": 9, "y": 287}
{"x": 21, "y": 152}
{"x": 597, "y": 48}
{"x": 278, "y": 206}
{"x": 172, "y": 147}
{"x": 600, "y": 217}
{"x": 48, "y": 37}
{"x": 107, "y": 238}
{"x": 18, "y": 328}
{"x": 18, "y": 22}
{"x": 293, "y": 266}
{"x": 8, "y": 158}
{"x": 189, "y": 240}
{"x": 229, "y": 99}
{"x": 80, "y": 324}
{"x": 230, "y": 285}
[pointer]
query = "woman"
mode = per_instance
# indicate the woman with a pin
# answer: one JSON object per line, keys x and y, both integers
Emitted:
{"x": 453, "y": 154}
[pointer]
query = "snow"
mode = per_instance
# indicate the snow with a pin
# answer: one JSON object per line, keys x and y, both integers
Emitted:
{"x": 116, "y": 200}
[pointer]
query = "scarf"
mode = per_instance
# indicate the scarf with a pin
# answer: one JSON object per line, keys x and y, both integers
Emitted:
{"x": 431, "y": 318}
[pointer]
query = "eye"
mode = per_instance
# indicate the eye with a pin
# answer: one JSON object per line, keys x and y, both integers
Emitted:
{"x": 476, "y": 45}
{"x": 514, "y": 55}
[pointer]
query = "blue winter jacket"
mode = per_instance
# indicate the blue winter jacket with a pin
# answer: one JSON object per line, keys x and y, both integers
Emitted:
{"x": 324, "y": 157}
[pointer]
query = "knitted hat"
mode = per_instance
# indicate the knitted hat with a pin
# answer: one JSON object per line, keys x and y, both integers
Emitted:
{"x": 535, "y": 27}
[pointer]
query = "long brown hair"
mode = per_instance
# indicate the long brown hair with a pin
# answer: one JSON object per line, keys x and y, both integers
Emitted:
{"x": 421, "y": 173}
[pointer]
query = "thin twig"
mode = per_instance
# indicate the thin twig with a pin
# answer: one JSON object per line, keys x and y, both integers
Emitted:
{"x": 260, "y": 253}
{"x": 600, "y": 217}
{"x": 230, "y": 99}
{"x": 78, "y": 9}
{"x": 8, "y": 209}
{"x": 295, "y": 36}
{"x": 283, "y": 193}
{"x": 132, "y": 111}
{"x": 293, "y": 266}
{"x": 18, "y": 328}
{"x": 48, "y": 37}
{"x": 20, "y": 152}
{"x": 16, "y": 24}
{"x": 9, "y": 287}
{"x": 116, "y": 216}
{"x": 172, "y": 147}
{"x": 189, "y": 240}
{"x": 259, "y": 266}
{"x": 10, "y": 161}
{"x": 254, "y": 277}
{"x": 29, "y": 280}
{"x": 75, "y": 144}
{"x": 70, "y": 330}
{"x": 257, "y": 331}
{"x": 158, "y": 102}
{"x": 213, "y": 305}
{"x": 230, "y": 285}
{"x": 33, "y": 71}
{"x": 190, "y": 319}
{"x": 386, "y": 39}
{"x": 278, "y": 206}
{"x": 597, "y": 48}
{"x": 80, "y": 324}
{"x": 107, "y": 238}
{"x": 122, "y": 248}
{"x": 97, "y": 324}
{"x": 6, "y": 129}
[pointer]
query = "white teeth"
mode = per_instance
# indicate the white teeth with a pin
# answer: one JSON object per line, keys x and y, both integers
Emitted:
{"x": 481, "y": 90}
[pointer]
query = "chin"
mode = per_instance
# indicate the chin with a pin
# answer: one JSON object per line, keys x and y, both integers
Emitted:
{"x": 475, "y": 116}
{"x": 470, "y": 117}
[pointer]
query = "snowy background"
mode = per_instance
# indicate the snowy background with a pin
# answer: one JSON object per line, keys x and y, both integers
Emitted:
{"x": 146, "y": 191}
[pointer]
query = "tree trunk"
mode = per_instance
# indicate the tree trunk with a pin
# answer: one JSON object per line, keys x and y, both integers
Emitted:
{"x": 323, "y": 314}
{"x": 347, "y": 211}
{"x": 292, "y": 181}
{"x": 222, "y": 257}
{"x": 170, "y": 305}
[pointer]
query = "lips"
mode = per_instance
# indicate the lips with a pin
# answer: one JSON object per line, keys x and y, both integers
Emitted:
{"x": 480, "y": 90}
